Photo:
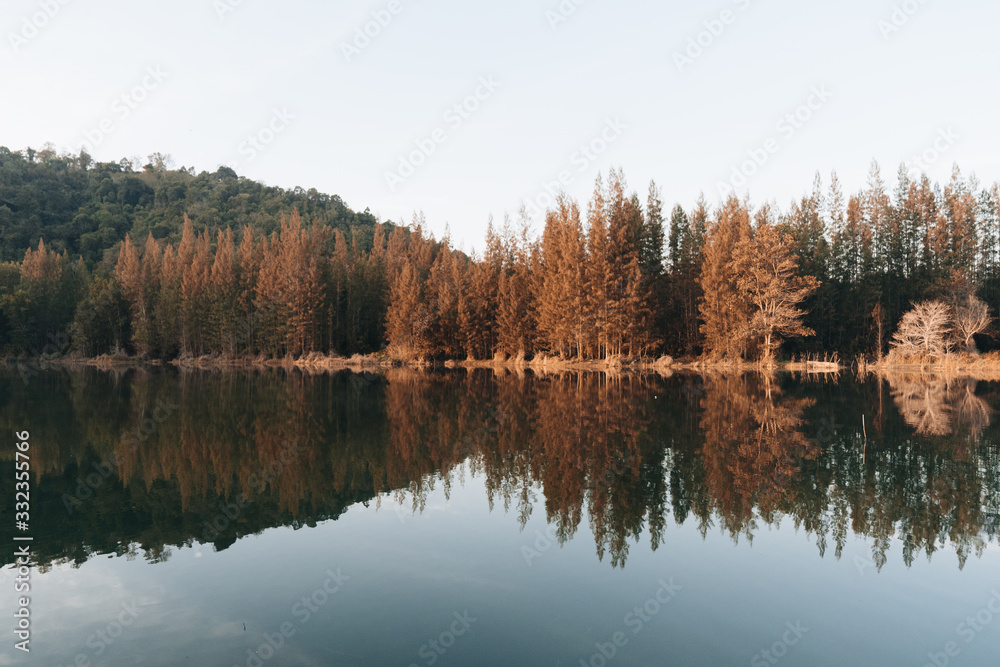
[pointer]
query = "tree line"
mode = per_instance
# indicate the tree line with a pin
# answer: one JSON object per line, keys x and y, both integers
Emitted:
{"x": 616, "y": 278}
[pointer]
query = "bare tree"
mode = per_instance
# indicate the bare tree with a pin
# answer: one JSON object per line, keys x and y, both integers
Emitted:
{"x": 936, "y": 406}
{"x": 923, "y": 402}
{"x": 972, "y": 316}
{"x": 924, "y": 330}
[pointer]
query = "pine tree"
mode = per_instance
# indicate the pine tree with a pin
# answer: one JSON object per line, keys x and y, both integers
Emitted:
{"x": 224, "y": 293}
{"x": 679, "y": 230}
{"x": 959, "y": 207}
{"x": 516, "y": 305}
{"x": 248, "y": 262}
{"x": 338, "y": 293}
{"x": 271, "y": 300}
{"x": 408, "y": 322}
{"x": 476, "y": 310}
{"x": 723, "y": 309}
{"x": 167, "y": 316}
{"x": 597, "y": 277}
{"x": 989, "y": 257}
{"x": 838, "y": 231}
{"x": 195, "y": 278}
{"x": 561, "y": 291}
{"x": 128, "y": 272}
{"x": 653, "y": 241}
{"x": 876, "y": 211}
{"x": 300, "y": 276}
{"x": 152, "y": 268}
{"x": 443, "y": 290}
{"x": 689, "y": 288}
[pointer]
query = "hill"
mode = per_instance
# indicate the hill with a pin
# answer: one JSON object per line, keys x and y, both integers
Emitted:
{"x": 86, "y": 208}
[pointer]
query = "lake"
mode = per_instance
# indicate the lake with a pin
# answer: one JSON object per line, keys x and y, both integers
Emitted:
{"x": 473, "y": 518}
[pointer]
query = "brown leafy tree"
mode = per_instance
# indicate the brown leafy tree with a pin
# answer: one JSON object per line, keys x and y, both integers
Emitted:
{"x": 443, "y": 291}
{"x": 767, "y": 279}
{"x": 561, "y": 301}
{"x": 476, "y": 309}
{"x": 723, "y": 309}
{"x": 128, "y": 271}
{"x": 224, "y": 300}
{"x": 515, "y": 322}
{"x": 408, "y": 323}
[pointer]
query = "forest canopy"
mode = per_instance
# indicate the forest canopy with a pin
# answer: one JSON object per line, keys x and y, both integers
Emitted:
{"x": 86, "y": 208}
{"x": 163, "y": 263}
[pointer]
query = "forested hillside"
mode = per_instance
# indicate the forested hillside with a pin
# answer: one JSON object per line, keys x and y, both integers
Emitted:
{"x": 162, "y": 263}
{"x": 63, "y": 219}
{"x": 86, "y": 208}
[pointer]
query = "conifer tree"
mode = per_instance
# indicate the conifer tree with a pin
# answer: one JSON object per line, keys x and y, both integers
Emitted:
{"x": 167, "y": 316}
{"x": 128, "y": 273}
{"x": 408, "y": 323}
{"x": 340, "y": 268}
{"x": 653, "y": 241}
{"x": 597, "y": 277}
{"x": 561, "y": 297}
{"x": 723, "y": 308}
{"x": 248, "y": 262}
{"x": 516, "y": 305}
{"x": 477, "y": 306}
{"x": 195, "y": 277}
{"x": 224, "y": 296}
{"x": 443, "y": 291}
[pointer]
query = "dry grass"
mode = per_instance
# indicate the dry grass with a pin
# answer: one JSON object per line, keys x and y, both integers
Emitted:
{"x": 814, "y": 363}
{"x": 960, "y": 364}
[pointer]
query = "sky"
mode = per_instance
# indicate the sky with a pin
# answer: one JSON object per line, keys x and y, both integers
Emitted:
{"x": 464, "y": 110}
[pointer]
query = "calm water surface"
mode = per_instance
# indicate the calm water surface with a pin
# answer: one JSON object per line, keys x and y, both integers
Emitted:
{"x": 472, "y": 519}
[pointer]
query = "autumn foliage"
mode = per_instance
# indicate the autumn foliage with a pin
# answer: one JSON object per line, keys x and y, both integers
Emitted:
{"x": 609, "y": 279}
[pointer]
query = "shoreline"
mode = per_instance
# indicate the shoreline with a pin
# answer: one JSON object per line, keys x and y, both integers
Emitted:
{"x": 369, "y": 363}
{"x": 979, "y": 368}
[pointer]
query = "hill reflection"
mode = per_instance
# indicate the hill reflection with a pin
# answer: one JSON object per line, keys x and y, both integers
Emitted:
{"x": 141, "y": 461}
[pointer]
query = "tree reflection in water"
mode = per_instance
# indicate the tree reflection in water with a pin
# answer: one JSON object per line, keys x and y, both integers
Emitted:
{"x": 623, "y": 452}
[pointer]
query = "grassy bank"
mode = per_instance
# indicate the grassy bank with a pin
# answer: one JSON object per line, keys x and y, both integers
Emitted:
{"x": 960, "y": 364}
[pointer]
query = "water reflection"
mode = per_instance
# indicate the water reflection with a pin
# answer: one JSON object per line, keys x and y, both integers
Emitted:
{"x": 141, "y": 461}
{"x": 937, "y": 405}
{"x": 754, "y": 450}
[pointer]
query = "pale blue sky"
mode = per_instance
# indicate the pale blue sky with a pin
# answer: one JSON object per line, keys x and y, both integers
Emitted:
{"x": 225, "y": 76}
